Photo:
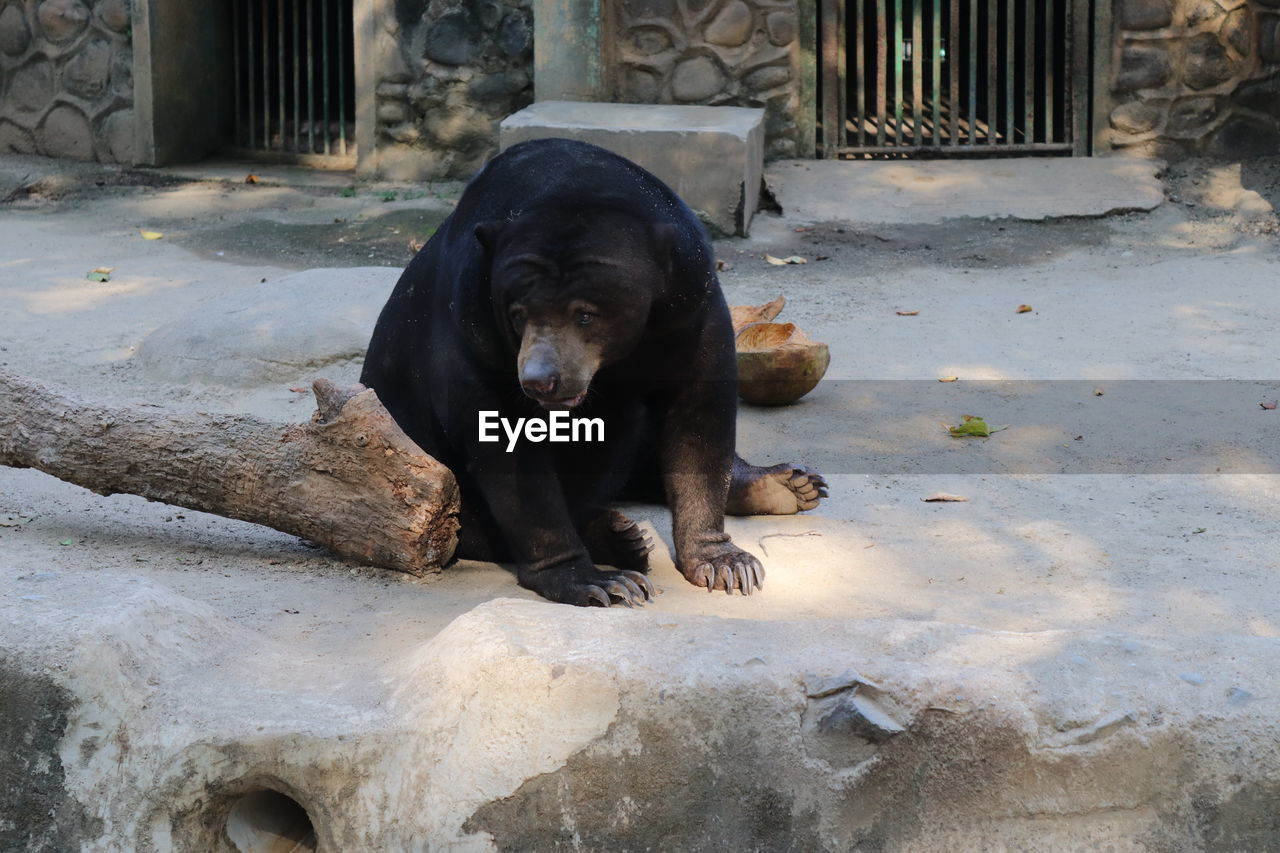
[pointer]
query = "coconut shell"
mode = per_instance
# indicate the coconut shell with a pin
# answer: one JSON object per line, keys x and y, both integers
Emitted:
{"x": 778, "y": 364}
{"x": 746, "y": 315}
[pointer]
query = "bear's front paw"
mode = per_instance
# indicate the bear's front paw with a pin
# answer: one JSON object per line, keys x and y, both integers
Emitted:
{"x": 612, "y": 539}
{"x": 584, "y": 587}
{"x": 727, "y": 567}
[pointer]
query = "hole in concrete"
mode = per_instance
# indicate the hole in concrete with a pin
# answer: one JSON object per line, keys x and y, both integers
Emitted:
{"x": 270, "y": 822}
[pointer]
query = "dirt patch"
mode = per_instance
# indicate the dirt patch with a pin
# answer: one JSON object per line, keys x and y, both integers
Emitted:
{"x": 80, "y": 184}
{"x": 960, "y": 243}
{"x": 384, "y": 240}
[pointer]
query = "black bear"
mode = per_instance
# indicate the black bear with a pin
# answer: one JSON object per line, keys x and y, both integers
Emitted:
{"x": 570, "y": 282}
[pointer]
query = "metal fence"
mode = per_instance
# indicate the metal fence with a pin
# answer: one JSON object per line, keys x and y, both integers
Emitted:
{"x": 294, "y": 78}
{"x": 953, "y": 77}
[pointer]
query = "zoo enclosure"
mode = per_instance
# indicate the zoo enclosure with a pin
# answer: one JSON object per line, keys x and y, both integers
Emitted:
{"x": 294, "y": 80}
{"x": 954, "y": 77}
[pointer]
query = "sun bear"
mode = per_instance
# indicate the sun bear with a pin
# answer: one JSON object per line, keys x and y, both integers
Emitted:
{"x": 569, "y": 279}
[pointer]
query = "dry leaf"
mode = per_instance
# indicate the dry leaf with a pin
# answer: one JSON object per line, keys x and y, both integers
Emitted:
{"x": 151, "y": 235}
{"x": 949, "y": 379}
{"x": 100, "y": 274}
{"x": 906, "y": 313}
{"x": 415, "y": 245}
{"x": 943, "y": 497}
{"x": 1268, "y": 404}
{"x": 1097, "y": 392}
{"x": 251, "y": 178}
{"x": 720, "y": 265}
{"x": 782, "y": 262}
{"x": 1022, "y": 309}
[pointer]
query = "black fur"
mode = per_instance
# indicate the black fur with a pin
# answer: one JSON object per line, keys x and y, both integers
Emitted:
{"x": 555, "y": 225}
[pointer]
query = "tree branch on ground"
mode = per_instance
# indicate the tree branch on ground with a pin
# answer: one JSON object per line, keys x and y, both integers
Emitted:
{"x": 349, "y": 480}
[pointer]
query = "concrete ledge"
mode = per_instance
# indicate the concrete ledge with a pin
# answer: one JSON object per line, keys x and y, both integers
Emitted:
{"x": 711, "y": 156}
{"x": 160, "y": 723}
{"x": 930, "y": 191}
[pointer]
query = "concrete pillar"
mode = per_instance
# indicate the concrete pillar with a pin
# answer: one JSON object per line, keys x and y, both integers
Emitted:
{"x": 570, "y": 50}
{"x": 182, "y": 80}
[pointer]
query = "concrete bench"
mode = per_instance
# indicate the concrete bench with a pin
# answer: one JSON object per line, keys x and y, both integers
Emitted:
{"x": 711, "y": 156}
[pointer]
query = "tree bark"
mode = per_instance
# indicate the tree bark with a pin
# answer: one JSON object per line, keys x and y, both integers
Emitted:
{"x": 349, "y": 480}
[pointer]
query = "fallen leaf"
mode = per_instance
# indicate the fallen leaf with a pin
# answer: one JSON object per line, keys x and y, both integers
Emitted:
{"x": 298, "y": 389}
{"x": 823, "y": 258}
{"x": 65, "y": 542}
{"x": 151, "y": 235}
{"x": 1022, "y": 309}
{"x": 415, "y": 245}
{"x": 803, "y": 229}
{"x": 1198, "y": 530}
{"x": 100, "y": 274}
{"x": 906, "y": 313}
{"x": 13, "y": 519}
{"x": 1268, "y": 404}
{"x": 720, "y": 265}
{"x": 251, "y": 178}
{"x": 949, "y": 379}
{"x": 1097, "y": 392}
{"x": 782, "y": 262}
{"x": 943, "y": 497}
{"x": 973, "y": 427}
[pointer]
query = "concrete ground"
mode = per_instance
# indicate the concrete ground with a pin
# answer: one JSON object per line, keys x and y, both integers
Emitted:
{"x": 1080, "y": 654}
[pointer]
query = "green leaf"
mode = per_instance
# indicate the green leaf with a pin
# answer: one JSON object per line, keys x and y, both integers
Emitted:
{"x": 65, "y": 542}
{"x": 349, "y": 192}
{"x": 99, "y": 277}
{"x": 974, "y": 427}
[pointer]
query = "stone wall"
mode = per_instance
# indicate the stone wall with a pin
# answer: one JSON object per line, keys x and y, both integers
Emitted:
{"x": 66, "y": 79}
{"x": 736, "y": 52}
{"x": 1197, "y": 77}
{"x": 449, "y": 71}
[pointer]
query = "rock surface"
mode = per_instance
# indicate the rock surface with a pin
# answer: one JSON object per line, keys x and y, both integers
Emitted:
{"x": 307, "y": 321}
{"x": 630, "y": 730}
{"x": 1074, "y": 661}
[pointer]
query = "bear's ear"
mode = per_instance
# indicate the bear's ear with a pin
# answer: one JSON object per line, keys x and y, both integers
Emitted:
{"x": 487, "y": 233}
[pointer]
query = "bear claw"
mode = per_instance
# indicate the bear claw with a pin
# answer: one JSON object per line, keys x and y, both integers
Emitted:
{"x": 728, "y": 572}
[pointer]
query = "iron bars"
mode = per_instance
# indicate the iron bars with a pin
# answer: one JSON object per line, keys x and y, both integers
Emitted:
{"x": 294, "y": 78}
{"x": 953, "y": 77}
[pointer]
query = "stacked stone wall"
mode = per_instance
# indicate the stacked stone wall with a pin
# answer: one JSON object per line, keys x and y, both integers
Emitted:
{"x": 66, "y": 79}
{"x": 449, "y": 71}
{"x": 1197, "y": 77}
{"x": 731, "y": 52}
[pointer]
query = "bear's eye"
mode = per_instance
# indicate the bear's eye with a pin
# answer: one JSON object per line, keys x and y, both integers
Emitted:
{"x": 516, "y": 315}
{"x": 585, "y": 317}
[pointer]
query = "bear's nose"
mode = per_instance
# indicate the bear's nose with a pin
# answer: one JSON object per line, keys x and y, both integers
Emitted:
{"x": 540, "y": 384}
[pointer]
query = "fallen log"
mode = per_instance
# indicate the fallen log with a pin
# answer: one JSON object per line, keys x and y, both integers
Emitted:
{"x": 349, "y": 480}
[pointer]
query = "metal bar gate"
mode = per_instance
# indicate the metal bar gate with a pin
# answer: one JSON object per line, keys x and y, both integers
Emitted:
{"x": 953, "y": 77}
{"x": 294, "y": 79}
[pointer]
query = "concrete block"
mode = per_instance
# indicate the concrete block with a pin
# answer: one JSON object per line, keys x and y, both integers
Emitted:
{"x": 711, "y": 156}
